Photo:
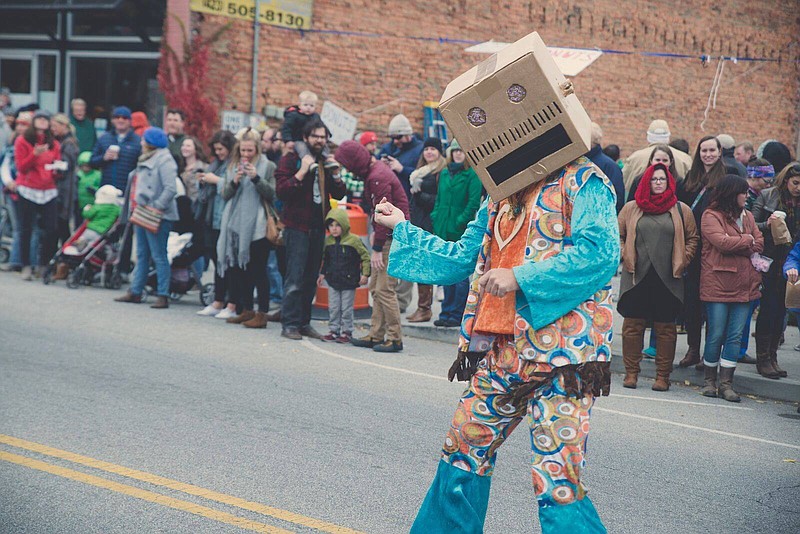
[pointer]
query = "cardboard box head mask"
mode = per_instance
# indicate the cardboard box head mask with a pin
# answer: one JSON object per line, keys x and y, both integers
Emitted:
{"x": 516, "y": 117}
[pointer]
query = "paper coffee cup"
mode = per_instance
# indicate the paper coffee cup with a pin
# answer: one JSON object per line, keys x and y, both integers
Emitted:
{"x": 114, "y": 148}
{"x": 779, "y": 214}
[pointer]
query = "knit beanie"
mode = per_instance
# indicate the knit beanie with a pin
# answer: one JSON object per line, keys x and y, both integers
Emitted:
{"x": 400, "y": 125}
{"x": 453, "y": 146}
{"x": 108, "y": 194}
{"x": 84, "y": 157}
{"x": 658, "y": 132}
{"x": 354, "y": 157}
{"x": 435, "y": 142}
{"x": 155, "y": 136}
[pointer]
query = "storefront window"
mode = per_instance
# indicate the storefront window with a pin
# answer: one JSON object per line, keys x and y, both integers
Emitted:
{"x": 105, "y": 83}
{"x": 28, "y": 22}
{"x": 16, "y": 75}
{"x": 133, "y": 18}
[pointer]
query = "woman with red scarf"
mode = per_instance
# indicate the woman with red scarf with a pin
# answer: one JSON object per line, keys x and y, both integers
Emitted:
{"x": 659, "y": 239}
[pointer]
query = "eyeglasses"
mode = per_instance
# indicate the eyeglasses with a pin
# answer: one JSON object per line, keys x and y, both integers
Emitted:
{"x": 396, "y": 137}
{"x": 120, "y": 117}
{"x": 656, "y": 180}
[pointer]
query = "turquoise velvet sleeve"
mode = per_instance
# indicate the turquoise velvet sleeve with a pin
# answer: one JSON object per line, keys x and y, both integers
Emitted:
{"x": 549, "y": 289}
{"x": 419, "y": 256}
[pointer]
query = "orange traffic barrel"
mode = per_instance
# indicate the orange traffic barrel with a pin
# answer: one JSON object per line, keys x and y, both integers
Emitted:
{"x": 358, "y": 226}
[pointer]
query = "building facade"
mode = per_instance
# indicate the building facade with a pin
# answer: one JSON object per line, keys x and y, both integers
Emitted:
{"x": 375, "y": 58}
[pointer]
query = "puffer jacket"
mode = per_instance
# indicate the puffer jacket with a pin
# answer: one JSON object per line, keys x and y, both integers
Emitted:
{"x": 346, "y": 258}
{"x": 726, "y": 274}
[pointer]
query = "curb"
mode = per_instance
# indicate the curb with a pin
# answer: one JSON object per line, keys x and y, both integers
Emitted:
{"x": 746, "y": 383}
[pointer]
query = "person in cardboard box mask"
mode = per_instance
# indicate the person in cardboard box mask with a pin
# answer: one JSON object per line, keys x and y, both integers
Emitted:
{"x": 536, "y": 332}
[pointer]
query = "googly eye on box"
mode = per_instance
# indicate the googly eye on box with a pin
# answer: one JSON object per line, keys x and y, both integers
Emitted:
{"x": 516, "y": 117}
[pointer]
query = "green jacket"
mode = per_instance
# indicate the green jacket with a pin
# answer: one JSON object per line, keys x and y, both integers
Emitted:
{"x": 345, "y": 258}
{"x": 457, "y": 202}
{"x": 85, "y": 132}
{"x": 101, "y": 217}
{"x": 87, "y": 180}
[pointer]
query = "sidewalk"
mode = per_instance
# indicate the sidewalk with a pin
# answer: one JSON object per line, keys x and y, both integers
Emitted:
{"x": 746, "y": 381}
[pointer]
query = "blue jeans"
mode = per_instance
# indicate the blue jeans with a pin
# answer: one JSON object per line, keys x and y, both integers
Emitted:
{"x": 16, "y": 242}
{"x": 152, "y": 246}
{"x": 725, "y": 324}
{"x": 304, "y": 256}
{"x": 746, "y": 332}
{"x": 455, "y": 299}
{"x": 275, "y": 278}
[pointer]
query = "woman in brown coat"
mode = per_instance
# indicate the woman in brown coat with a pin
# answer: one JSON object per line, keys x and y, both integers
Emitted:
{"x": 728, "y": 281}
{"x": 659, "y": 239}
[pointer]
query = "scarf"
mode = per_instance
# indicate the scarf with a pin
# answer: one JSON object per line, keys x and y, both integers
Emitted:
{"x": 239, "y": 219}
{"x": 655, "y": 204}
{"x": 455, "y": 168}
{"x": 417, "y": 175}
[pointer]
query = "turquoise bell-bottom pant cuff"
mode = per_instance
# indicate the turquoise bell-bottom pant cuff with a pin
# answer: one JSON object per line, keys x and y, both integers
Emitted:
{"x": 578, "y": 517}
{"x": 457, "y": 501}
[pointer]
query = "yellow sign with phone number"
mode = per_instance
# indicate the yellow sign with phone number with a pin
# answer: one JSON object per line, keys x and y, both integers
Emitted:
{"x": 295, "y": 14}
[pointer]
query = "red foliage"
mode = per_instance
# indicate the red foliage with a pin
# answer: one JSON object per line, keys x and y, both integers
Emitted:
{"x": 184, "y": 83}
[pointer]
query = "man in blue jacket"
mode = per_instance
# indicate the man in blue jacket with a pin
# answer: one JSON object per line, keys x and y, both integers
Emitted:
{"x": 117, "y": 151}
{"x": 403, "y": 151}
{"x": 607, "y": 165}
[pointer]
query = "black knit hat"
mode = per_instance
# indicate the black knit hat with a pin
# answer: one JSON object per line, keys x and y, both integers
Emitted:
{"x": 435, "y": 142}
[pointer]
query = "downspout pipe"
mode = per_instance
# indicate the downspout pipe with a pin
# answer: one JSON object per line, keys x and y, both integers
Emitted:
{"x": 256, "y": 32}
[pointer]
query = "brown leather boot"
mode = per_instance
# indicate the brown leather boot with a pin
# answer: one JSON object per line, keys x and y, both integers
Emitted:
{"x": 774, "y": 344}
{"x": 726, "y": 385}
{"x": 423, "y": 313}
{"x": 666, "y": 338}
{"x": 764, "y": 365}
{"x": 692, "y": 357}
{"x": 274, "y": 317}
{"x": 62, "y": 272}
{"x": 710, "y": 382}
{"x": 632, "y": 345}
{"x": 245, "y": 316}
{"x": 259, "y": 320}
{"x": 161, "y": 303}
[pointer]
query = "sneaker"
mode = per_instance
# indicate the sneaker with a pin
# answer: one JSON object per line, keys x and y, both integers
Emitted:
{"x": 27, "y": 274}
{"x": 225, "y": 313}
{"x": 366, "y": 342}
{"x": 330, "y": 336}
{"x": 449, "y": 323}
{"x": 71, "y": 250}
{"x": 210, "y": 311}
{"x": 649, "y": 352}
{"x": 291, "y": 333}
{"x": 389, "y": 346}
{"x": 344, "y": 338}
{"x": 797, "y": 348}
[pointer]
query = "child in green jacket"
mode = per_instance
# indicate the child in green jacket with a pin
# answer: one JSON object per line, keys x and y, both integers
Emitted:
{"x": 88, "y": 181}
{"x": 101, "y": 216}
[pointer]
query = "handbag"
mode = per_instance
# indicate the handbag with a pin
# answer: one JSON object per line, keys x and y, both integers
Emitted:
{"x": 274, "y": 226}
{"x": 146, "y": 217}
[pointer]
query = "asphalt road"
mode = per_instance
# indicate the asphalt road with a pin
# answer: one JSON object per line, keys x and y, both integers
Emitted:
{"x": 228, "y": 428}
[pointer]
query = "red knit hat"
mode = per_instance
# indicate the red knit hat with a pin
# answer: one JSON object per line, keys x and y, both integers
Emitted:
{"x": 367, "y": 138}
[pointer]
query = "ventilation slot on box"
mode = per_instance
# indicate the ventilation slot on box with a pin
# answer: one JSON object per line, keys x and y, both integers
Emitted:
{"x": 529, "y": 154}
{"x": 516, "y": 134}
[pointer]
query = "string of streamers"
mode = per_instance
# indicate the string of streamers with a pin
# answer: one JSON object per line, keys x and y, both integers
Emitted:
{"x": 447, "y": 40}
{"x": 712, "y": 95}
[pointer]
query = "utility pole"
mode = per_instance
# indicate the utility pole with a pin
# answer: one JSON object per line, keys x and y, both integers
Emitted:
{"x": 256, "y": 32}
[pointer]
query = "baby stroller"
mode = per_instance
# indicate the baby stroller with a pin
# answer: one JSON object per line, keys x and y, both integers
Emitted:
{"x": 98, "y": 258}
{"x": 184, "y": 247}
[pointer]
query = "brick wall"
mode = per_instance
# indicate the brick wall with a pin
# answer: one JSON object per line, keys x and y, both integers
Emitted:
{"x": 374, "y": 78}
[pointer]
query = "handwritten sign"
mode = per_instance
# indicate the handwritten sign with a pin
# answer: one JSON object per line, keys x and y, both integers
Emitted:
{"x": 341, "y": 124}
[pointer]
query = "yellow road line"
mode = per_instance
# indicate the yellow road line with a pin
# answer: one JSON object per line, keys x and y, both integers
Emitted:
{"x": 157, "y": 498}
{"x": 156, "y": 480}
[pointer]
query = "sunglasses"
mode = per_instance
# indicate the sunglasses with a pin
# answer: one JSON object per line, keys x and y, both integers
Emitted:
{"x": 120, "y": 117}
